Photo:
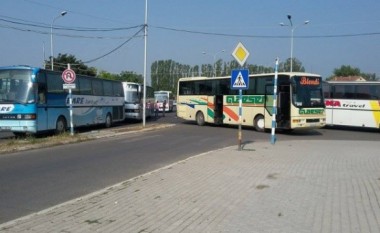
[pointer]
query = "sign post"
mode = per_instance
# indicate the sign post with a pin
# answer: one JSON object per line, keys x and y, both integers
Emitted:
{"x": 273, "y": 136}
{"x": 69, "y": 77}
{"x": 240, "y": 81}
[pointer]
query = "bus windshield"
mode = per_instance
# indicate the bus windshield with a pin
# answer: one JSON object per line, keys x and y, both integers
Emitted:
{"x": 161, "y": 97}
{"x": 307, "y": 92}
{"x": 15, "y": 86}
{"x": 132, "y": 95}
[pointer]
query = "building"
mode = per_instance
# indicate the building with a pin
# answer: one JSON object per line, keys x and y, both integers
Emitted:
{"x": 348, "y": 78}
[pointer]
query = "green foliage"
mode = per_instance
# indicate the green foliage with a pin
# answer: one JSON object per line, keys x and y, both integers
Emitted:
{"x": 346, "y": 70}
{"x": 369, "y": 77}
{"x": 124, "y": 76}
{"x": 61, "y": 61}
{"x": 296, "y": 66}
{"x": 165, "y": 73}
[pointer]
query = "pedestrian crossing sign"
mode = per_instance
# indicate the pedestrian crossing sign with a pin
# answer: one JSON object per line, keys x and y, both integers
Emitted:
{"x": 240, "y": 79}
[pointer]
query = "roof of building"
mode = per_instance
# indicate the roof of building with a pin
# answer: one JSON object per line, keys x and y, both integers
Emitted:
{"x": 348, "y": 78}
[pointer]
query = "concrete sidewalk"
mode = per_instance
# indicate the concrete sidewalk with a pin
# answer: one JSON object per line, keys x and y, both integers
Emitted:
{"x": 292, "y": 186}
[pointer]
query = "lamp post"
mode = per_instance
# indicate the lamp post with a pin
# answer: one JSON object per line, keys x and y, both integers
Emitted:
{"x": 63, "y": 13}
{"x": 214, "y": 57}
{"x": 292, "y": 37}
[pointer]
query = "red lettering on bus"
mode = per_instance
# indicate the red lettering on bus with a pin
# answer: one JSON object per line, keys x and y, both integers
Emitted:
{"x": 309, "y": 81}
{"x": 332, "y": 103}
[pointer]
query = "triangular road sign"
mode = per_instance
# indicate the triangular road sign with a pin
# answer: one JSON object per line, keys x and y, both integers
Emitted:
{"x": 239, "y": 81}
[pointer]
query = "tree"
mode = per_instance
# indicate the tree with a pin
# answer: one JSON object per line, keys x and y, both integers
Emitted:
{"x": 165, "y": 74}
{"x": 346, "y": 70}
{"x": 369, "y": 77}
{"x": 128, "y": 76}
{"x": 61, "y": 61}
{"x": 296, "y": 65}
{"x": 124, "y": 76}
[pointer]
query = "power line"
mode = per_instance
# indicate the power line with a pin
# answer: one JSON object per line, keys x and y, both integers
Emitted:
{"x": 265, "y": 36}
{"x": 65, "y": 35}
{"x": 46, "y": 26}
{"x": 115, "y": 49}
{"x": 87, "y": 29}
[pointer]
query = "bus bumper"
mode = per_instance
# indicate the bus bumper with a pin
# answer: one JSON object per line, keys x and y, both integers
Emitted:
{"x": 312, "y": 123}
{"x": 26, "y": 126}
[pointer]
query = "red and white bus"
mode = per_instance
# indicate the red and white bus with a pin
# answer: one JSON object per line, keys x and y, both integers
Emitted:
{"x": 355, "y": 104}
{"x": 161, "y": 97}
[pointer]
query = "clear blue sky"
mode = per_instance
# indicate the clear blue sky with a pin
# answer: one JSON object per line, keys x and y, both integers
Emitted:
{"x": 340, "y": 32}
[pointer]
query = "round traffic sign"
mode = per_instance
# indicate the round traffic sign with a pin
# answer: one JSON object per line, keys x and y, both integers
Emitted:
{"x": 68, "y": 76}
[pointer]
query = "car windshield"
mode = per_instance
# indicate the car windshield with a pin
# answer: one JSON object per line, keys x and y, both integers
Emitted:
{"x": 307, "y": 92}
{"x": 15, "y": 86}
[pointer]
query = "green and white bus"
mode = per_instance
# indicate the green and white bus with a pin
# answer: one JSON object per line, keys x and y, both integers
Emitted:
{"x": 300, "y": 103}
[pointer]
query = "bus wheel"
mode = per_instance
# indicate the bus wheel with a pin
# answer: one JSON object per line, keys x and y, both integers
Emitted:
{"x": 200, "y": 119}
{"x": 61, "y": 125}
{"x": 108, "y": 122}
{"x": 259, "y": 123}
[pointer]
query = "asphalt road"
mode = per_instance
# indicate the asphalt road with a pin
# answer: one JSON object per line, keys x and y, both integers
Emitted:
{"x": 34, "y": 180}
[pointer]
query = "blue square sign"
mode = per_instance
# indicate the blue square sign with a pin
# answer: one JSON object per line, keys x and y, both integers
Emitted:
{"x": 240, "y": 79}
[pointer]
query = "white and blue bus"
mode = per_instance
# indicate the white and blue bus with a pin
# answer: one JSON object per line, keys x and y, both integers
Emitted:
{"x": 32, "y": 100}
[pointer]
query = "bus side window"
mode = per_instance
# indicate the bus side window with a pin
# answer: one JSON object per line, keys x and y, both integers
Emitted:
{"x": 41, "y": 93}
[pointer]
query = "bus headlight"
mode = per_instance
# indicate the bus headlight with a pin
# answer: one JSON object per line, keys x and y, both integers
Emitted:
{"x": 296, "y": 121}
{"x": 29, "y": 116}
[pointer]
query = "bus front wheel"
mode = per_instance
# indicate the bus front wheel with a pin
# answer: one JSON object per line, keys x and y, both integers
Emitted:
{"x": 259, "y": 123}
{"x": 108, "y": 122}
{"x": 61, "y": 125}
{"x": 200, "y": 119}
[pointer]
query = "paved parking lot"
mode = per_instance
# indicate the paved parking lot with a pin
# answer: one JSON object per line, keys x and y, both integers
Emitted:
{"x": 292, "y": 186}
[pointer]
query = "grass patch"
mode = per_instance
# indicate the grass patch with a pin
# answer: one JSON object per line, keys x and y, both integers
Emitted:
{"x": 32, "y": 142}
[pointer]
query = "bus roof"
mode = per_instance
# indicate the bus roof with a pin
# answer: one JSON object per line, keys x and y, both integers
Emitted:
{"x": 19, "y": 67}
{"x": 353, "y": 82}
{"x": 252, "y": 75}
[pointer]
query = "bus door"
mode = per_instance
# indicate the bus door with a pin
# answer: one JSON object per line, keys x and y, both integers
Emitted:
{"x": 218, "y": 109}
{"x": 268, "y": 105}
{"x": 42, "y": 108}
{"x": 283, "y": 106}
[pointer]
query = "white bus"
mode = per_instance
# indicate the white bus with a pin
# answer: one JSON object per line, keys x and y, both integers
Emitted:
{"x": 211, "y": 100}
{"x": 161, "y": 96}
{"x": 133, "y": 101}
{"x": 354, "y": 104}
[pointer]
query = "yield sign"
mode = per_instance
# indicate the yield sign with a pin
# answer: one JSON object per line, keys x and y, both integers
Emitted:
{"x": 239, "y": 79}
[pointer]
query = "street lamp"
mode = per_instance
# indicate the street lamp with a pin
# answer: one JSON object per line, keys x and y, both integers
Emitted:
{"x": 292, "y": 37}
{"x": 63, "y": 13}
{"x": 214, "y": 57}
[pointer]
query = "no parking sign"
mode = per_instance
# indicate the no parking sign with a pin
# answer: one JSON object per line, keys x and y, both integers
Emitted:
{"x": 68, "y": 76}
